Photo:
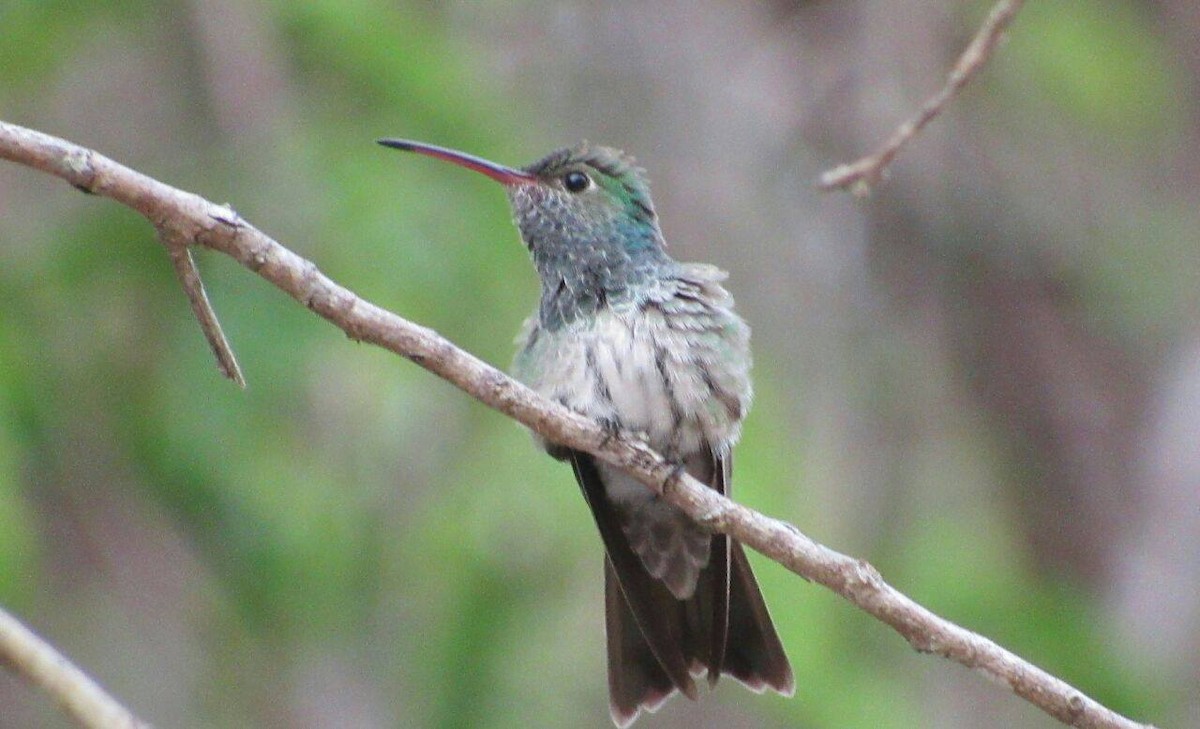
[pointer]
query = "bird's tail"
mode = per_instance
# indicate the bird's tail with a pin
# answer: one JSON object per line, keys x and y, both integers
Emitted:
{"x": 750, "y": 652}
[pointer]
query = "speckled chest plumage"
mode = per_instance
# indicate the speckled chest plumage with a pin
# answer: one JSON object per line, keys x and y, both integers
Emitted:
{"x": 669, "y": 362}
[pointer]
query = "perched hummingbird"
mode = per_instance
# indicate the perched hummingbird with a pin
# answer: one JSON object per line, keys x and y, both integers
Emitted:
{"x": 643, "y": 344}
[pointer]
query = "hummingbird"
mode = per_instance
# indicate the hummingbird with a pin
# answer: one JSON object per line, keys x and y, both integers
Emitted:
{"x": 650, "y": 347}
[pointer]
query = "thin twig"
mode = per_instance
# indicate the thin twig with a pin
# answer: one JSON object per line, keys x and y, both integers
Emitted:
{"x": 860, "y": 176}
{"x": 858, "y": 582}
{"x": 79, "y": 695}
{"x": 189, "y": 279}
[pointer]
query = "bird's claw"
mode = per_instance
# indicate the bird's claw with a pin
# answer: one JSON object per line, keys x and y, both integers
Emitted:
{"x": 612, "y": 431}
{"x": 675, "y": 476}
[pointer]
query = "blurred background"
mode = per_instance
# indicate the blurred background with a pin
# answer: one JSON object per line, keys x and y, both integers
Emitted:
{"x": 984, "y": 379}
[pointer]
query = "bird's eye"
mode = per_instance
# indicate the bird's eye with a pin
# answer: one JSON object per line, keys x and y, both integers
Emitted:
{"x": 576, "y": 181}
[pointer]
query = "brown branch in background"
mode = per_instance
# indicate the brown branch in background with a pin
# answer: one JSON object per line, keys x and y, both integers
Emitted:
{"x": 860, "y": 176}
{"x": 79, "y": 695}
{"x": 204, "y": 223}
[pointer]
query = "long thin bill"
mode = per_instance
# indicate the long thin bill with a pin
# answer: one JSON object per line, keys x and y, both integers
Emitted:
{"x": 500, "y": 173}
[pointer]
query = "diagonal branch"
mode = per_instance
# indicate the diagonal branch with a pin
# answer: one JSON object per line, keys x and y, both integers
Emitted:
{"x": 219, "y": 228}
{"x": 860, "y": 176}
{"x": 78, "y": 694}
{"x": 189, "y": 279}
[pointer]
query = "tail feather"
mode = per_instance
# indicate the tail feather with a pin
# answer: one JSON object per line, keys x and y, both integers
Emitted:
{"x": 636, "y": 679}
{"x": 658, "y": 643}
{"x": 752, "y": 652}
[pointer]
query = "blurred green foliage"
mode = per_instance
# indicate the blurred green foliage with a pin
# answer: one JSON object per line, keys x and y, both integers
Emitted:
{"x": 1096, "y": 62}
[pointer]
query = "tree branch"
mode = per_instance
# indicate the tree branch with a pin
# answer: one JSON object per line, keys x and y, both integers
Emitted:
{"x": 193, "y": 287}
{"x": 78, "y": 694}
{"x": 862, "y": 175}
{"x": 219, "y": 228}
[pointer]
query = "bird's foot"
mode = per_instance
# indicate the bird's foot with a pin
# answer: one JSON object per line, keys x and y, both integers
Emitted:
{"x": 674, "y": 477}
{"x": 612, "y": 430}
